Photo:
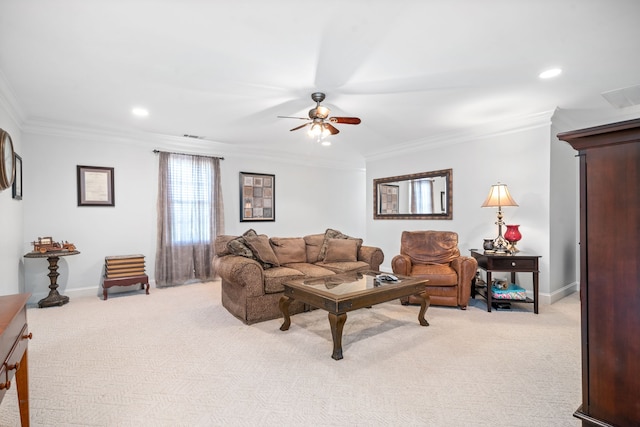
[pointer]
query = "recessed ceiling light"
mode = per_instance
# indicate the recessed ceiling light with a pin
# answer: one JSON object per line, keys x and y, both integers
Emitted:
{"x": 553, "y": 72}
{"x": 326, "y": 143}
{"x": 140, "y": 112}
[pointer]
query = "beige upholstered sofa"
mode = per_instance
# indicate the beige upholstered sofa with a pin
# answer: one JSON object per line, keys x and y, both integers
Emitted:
{"x": 254, "y": 267}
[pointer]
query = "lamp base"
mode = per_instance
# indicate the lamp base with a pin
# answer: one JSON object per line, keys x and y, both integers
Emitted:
{"x": 500, "y": 245}
{"x": 512, "y": 248}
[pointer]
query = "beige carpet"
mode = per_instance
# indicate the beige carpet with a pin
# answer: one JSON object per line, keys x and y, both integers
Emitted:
{"x": 176, "y": 357}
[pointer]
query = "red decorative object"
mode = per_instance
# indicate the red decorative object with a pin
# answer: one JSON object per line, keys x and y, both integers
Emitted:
{"x": 512, "y": 235}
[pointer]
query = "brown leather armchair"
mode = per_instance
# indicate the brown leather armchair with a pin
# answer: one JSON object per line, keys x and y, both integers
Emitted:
{"x": 434, "y": 255}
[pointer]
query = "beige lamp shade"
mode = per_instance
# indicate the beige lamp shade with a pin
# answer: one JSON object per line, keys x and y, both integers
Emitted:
{"x": 499, "y": 196}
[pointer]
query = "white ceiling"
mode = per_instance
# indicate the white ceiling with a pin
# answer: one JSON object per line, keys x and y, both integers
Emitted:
{"x": 411, "y": 70}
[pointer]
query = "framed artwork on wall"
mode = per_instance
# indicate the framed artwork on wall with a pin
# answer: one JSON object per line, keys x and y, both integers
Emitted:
{"x": 389, "y": 198}
{"x": 16, "y": 188}
{"x": 95, "y": 186}
{"x": 257, "y": 197}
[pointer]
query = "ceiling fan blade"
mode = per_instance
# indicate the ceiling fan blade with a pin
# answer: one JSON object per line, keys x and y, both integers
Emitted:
{"x": 300, "y": 127}
{"x": 345, "y": 120}
{"x": 289, "y": 117}
{"x": 331, "y": 128}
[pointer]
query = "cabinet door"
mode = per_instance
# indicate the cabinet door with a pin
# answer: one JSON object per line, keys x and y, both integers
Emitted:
{"x": 612, "y": 294}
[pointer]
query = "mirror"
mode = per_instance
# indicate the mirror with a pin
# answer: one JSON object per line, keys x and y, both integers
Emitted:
{"x": 425, "y": 195}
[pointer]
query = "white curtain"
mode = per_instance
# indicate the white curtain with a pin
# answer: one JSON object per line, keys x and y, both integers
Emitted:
{"x": 190, "y": 216}
{"x": 422, "y": 196}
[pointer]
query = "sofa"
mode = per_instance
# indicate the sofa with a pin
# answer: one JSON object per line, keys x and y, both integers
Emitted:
{"x": 253, "y": 268}
{"x": 434, "y": 255}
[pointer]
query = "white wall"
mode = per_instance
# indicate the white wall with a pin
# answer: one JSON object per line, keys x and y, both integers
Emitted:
{"x": 10, "y": 215}
{"x": 519, "y": 158}
{"x": 308, "y": 200}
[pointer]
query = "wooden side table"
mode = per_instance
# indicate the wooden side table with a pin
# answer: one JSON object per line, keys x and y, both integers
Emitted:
{"x": 516, "y": 263}
{"x": 54, "y": 297}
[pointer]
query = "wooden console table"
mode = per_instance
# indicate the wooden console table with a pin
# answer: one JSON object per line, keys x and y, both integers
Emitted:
{"x": 14, "y": 338}
{"x": 54, "y": 298}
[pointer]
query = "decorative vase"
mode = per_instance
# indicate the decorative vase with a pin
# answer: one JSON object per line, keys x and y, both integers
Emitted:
{"x": 488, "y": 244}
{"x": 513, "y": 236}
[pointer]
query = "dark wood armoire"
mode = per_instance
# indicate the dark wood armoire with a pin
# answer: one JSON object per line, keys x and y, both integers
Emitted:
{"x": 609, "y": 272}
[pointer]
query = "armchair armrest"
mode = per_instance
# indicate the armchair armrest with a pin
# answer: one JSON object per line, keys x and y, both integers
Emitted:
{"x": 241, "y": 271}
{"x": 401, "y": 264}
{"x": 466, "y": 268}
{"x": 371, "y": 255}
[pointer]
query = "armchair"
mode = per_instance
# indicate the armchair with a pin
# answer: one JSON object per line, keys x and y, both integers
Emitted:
{"x": 434, "y": 255}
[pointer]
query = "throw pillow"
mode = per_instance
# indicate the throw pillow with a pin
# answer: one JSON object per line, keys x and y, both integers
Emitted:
{"x": 289, "y": 249}
{"x": 334, "y": 234}
{"x": 262, "y": 249}
{"x": 341, "y": 250}
{"x": 238, "y": 246}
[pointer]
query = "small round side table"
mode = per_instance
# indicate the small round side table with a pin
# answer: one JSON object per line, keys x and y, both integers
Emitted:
{"x": 54, "y": 298}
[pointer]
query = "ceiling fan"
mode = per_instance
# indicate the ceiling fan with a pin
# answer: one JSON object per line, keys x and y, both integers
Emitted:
{"x": 319, "y": 121}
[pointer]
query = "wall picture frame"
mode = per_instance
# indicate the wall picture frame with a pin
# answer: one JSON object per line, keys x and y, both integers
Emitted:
{"x": 16, "y": 187}
{"x": 95, "y": 186}
{"x": 389, "y": 194}
{"x": 257, "y": 197}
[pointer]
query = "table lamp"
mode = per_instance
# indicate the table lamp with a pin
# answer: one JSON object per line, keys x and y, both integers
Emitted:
{"x": 498, "y": 198}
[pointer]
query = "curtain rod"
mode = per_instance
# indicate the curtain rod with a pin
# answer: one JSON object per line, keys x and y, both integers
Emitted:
{"x": 187, "y": 154}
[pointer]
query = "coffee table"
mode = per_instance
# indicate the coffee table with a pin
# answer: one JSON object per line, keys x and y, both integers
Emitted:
{"x": 341, "y": 293}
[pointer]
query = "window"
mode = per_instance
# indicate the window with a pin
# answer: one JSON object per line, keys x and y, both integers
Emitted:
{"x": 190, "y": 216}
{"x": 189, "y": 188}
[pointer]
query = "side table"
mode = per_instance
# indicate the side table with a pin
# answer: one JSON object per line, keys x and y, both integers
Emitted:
{"x": 54, "y": 297}
{"x": 516, "y": 263}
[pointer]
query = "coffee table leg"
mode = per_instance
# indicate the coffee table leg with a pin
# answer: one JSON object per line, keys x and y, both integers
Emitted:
{"x": 425, "y": 301}
{"x": 337, "y": 325}
{"x": 284, "y": 308}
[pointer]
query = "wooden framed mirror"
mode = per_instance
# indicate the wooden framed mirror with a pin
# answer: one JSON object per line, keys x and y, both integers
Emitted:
{"x": 425, "y": 195}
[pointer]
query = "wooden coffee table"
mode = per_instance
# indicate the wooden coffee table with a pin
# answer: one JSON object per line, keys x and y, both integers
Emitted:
{"x": 342, "y": 293}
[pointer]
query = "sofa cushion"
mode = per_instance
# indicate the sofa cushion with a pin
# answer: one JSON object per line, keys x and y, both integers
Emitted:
{"x": 314, "y": 243}
{"x": 289, "y": 249}
{"x": 439, "y": 274}
{"x": 339, "y": 250}
{"x": 274, "y": 278}
{"x": 310, "y": 270}
{"x": 262, "y": 250}
{"x": 220, "y": 244}
{"x": 333, "y": 234}
{"x": 344, "y": 267}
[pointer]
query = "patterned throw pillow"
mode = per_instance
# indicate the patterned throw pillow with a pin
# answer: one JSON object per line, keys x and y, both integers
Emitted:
{"x": 238, "y": 246}
{"x": 261, "y": 248}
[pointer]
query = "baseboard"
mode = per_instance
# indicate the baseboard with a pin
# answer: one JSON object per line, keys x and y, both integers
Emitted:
{"x": 85, "y": 292}
{"x": 557, "y": 295}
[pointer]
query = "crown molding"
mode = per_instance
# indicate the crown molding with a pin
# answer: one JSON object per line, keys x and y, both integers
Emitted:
{"x": 487, "y": 130}
{"x": 566, "y": 119}
{"x": 9, "y": 101}
{"x": 202, "y": 146}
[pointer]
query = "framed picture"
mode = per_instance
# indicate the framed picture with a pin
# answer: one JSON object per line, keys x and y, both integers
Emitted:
{"x": 95, "y": 186}
{"x": 257, "y": 197}
{"x": 16, "y": 189}
{"x": 389, "y": 199}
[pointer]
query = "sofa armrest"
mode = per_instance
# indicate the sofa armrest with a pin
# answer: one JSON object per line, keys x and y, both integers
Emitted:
{"x": 466, "y": 268}
{"x": 372, "y": 256}
{"x": 401, "y": 264}
{"x": 241, "y": 271}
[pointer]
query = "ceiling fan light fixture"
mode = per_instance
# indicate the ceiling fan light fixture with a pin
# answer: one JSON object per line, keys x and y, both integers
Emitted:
{"x": 316, "y": 130}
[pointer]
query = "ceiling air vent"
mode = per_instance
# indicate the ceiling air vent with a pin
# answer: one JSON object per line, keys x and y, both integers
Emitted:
{"x": 625, "y": 97}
